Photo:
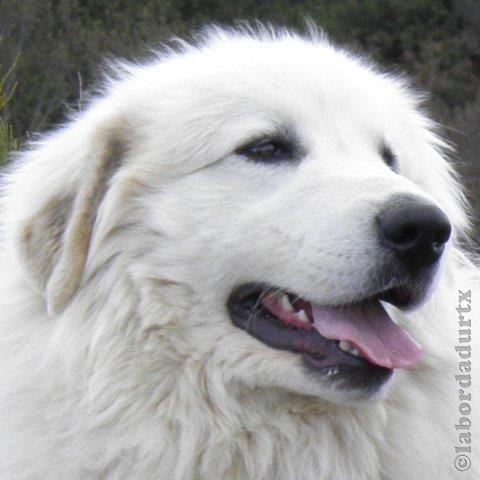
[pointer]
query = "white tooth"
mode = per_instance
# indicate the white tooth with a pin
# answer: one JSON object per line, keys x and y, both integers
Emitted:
{"x": 332, "y": 371}
{"x": 355, "y": 352}
{"x": 286, "y": 303}
{"x": 345, "y": 345}
{"x": 302, "y": 316}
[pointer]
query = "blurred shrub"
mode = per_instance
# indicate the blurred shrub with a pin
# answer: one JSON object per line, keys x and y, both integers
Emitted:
{"x": 7, "y": 139}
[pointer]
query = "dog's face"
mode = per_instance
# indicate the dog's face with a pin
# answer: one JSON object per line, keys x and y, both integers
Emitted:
{"x": 303, "y": 191}
{"x": 294, "y": 196}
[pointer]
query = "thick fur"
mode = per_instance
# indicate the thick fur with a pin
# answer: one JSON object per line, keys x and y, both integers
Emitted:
{"x": 124, "y": 232}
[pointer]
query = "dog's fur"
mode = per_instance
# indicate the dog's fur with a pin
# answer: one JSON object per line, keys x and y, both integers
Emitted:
{"x": 125, "y": 231}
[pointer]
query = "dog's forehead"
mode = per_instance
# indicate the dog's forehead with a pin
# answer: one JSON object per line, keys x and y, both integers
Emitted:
{"x": 230, "y": 91}
{"x": 305, "y": 79}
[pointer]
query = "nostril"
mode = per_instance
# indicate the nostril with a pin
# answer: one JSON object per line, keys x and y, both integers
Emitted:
{"x": 443, "y": 234}
{"x": 441, "y": 237}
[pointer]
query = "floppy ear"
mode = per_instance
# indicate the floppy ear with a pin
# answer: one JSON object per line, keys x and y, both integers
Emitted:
{"x": 73, "y": 168}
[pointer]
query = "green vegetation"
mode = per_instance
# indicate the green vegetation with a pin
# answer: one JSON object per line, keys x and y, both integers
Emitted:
{"x": 7, "y": 139}
{"x": 437, "y": 42}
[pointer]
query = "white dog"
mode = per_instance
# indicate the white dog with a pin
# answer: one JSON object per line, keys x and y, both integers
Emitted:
{"x": 198, "y": 268}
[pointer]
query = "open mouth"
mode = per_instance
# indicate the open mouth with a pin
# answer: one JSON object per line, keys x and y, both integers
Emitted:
{"x": 332, "y": 339}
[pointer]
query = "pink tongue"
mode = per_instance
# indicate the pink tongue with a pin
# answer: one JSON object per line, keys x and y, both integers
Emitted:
{"x": 371, "y": 331}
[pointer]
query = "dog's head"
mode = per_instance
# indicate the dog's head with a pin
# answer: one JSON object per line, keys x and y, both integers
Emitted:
{"x": 262, "y": 200}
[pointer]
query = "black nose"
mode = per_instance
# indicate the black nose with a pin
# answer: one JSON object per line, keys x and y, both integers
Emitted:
{"x": 414, "y": 229}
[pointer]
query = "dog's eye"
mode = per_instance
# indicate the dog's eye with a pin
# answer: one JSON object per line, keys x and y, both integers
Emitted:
{"x": 389, "y": 158}
{"x": 267, "y": 150}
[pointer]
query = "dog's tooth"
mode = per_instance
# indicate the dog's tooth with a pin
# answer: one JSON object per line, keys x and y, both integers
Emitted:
{"x": 345, "y": 345}
{"x": 286, "y": 303}
{"x": 355, "y": 352}
{"x": 302, "y": 316}
{"x": 275, "y": 296}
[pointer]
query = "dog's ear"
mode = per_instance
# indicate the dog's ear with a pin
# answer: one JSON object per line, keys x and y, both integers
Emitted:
{"x": 69, "y": 177}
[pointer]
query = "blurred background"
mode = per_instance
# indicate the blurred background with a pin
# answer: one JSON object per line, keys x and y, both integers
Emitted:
{"x": 51, "y": 52}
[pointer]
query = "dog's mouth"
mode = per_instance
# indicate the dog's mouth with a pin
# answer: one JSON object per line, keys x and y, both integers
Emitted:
{"x": 346, "y": 339}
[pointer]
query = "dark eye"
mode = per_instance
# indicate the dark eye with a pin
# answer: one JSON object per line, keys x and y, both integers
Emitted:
{"x": 267, "y": 150}
{"x": 389, "y": 158}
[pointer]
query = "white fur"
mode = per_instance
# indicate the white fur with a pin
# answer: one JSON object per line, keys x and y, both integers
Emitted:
{"x": 125, "y": 231}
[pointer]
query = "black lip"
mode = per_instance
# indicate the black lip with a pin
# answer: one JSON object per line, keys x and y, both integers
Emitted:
{"x": 319, "y": 355}
{"x": 367, "y": 378}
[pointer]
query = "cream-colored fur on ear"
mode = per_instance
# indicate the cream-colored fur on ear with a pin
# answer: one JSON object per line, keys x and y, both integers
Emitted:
{"x": 67, "y": 274}
{"x": 54, "y": 241}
